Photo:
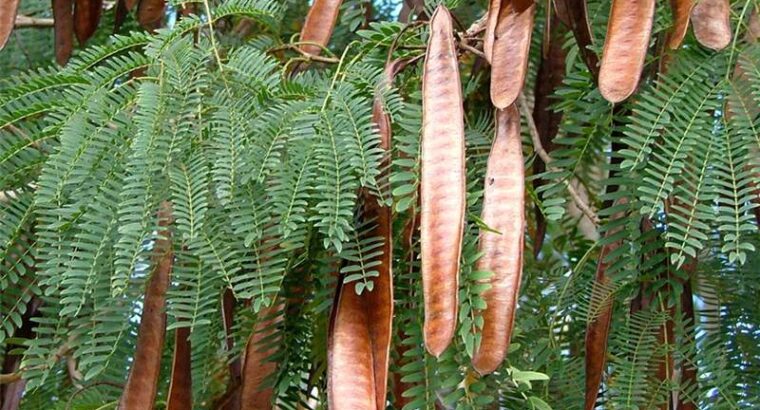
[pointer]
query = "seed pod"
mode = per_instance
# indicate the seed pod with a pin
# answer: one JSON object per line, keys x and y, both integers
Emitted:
{"x": 442, "y": 186}
{"x": 511, "y": 48}
{"x": 150, "y": 13}
{"x": 319, "y": 25}
{"x": 129, "y": 4}
{"x": 598, "y": 328}
{"x": 574, "y": 13}
{"x": 688, "y": 371}
{"x": 86, "y": 18}
{"x": 504, "y": 212}
{"x": 8, "y": 9}
{"x": 258, "y": 365}
{"x": 63, "y": 19}
{"x": 681, "y": 14}
{"x": 491, "y": 20}
{"x": 140, "y": 390}
{"x": 625, "y": 48}
{"x": 181, "y": 384}
{"x": 710, "y": 19}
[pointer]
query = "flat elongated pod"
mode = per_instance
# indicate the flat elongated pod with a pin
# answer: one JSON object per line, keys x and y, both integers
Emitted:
{"x": 150, "y": 13}
{"x": 504, "y": 212}
{"x": 511, "y": 46}
{"x": 574, "y": 13}
{"x": 86, "y": 18}
{"x": 319, "y": 25}
{"x": 688, "y": 369}
{"x": 442, "y": 186}
{"x": 129, "y": 3}
{"x": 63, "y": 18}
{"x": 681, "y": 13}
{"x": 8, "y": 9}
{"x": 710, "y": 19}
{"x": 491, "y": 19}
{"x": 625, "y": 48}
{"x": 258, "y": 366}
{"x": 598, "y": 327}
{"x": 140, "y": 390}
{"x": 181, "y": 383}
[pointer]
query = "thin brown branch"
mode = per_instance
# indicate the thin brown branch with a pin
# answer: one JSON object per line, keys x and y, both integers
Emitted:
{"x": 23, "y": 21}
{"x": 308, "y": 56}
{"x": 585, "y": 208}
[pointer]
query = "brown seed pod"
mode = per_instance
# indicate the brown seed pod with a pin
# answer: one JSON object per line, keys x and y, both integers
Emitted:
{"x": 598, "y": 328}
{"x": 504, "y": 212}
{"x": 442, "y": 186}
{"x": 688, "y": 370}
{"x": 574, "y": 13}
{"x": 681, "y": 14}
{"x": 625, "y": 48}
{"x": 63, "y": 18}
{"x": 181, "y": 385}
{"x": 712, "y": 27}
{"x": 510, "y": 51}
{"x": 86, "y": 18}
{"x": 319, "y": 25}
{"x": 258, "y": 365}
{"x": 8, "y": 9}
{"x": 491, "y": 20}
{"x": 150, "y": 13}
{"x": 140, "y": 390}
{"x": 129, "y": 4}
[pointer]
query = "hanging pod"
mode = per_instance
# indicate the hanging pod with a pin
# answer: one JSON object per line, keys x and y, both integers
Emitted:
{"x": 681, "y": 13}
{"x": 86, "y": 18}
{"x": 140, "y": 390}
{"x": 181, "y": 384}
{"x": 319, "y": 25}
{"x": 258, "y": 363}
{"x": 574, "y": 13}
{"x": 711, "y": 22}
{"x": 63, "y": 20}
{"x": 502, "y": 250}
{"x": 150, "y": 13}
{"x": 8, "y": 9}
{"x": 442, "y": 185}
{"x": 510, "y": 50}
{"x": 625, "y": 48}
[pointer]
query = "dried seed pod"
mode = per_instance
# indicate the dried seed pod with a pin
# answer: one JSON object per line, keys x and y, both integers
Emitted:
{"x": 63, "y": 18}
{"x": 504, "y": 211}
{"x": 598, "y": 327}
{"x": 258, "y": 365}
{"x": 442, "y": 186}
{"x": 8, "y": 9}
{"x": 140, "y": 390}
{"x": 625, "y": 48}
{"x": 129, "y": 4}
{"x": 681, "y": 14}
{"x": 150, "y": 13}
{"x": 491, "y": 20}
{"x": 319, "y": 25}
{"x": 688, "y": 370}
{"x": 574, "y": 13}
{"x": 181, "y": 385}
{"x": 712, "y": 27}
{"x": 510, "y": 51}
{"x": 86, "y": 18}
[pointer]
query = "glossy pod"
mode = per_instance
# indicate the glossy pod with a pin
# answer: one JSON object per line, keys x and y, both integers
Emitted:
{"x": 681, "y": 13}
{"x": 625, "y": 48}
{"x": 442, "y": 185}
{"x": 710, "y": 19}
{"x": 140, "y": 390}
{"x": 8, "y": 9}
{"x": 319, "y": 25}
{"x": 258, "y": 363}
{"x": 181, "y": 384}
{"x": 63, "y": 29}
{"x": 86, "y": 18}
{"x": 511, "y": 48}
{"x": 504, "y": 212}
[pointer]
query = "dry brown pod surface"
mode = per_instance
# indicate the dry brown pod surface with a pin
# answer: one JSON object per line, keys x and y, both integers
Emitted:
{"x": 510, "y": 51}
{"x": 86, "y": 18}
{"x": 625, "y": 48}
{"x": 504, "y": 212}
{"x": 319, "y": 25}
{"x": 681, "y": 14}
{"x": 181, "y": 384}
{"x": 712, "y": 27}
{"x": 442, "y": 185}
{"x": 63, "y": 19}
{"x": 150, "y": 13}
{"x": 258, "y": 363}
{"x": 574, "y": 13}
{"x": 8, "y": 9}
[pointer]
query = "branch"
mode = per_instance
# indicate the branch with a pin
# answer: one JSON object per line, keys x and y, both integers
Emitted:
{"x": 541, "y": 152}
{"x": 307, "y": 56}
{"x": 26, "y": 21}
{"x": 7, "y": 378}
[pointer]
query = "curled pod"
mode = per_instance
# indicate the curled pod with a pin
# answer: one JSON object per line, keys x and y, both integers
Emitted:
{"x": 598, "y": 327}
{"x": 63, "y": 28}
{"x": 442, "y": 185}
{"x": 319, "y": 25}
{"x": 140, "y": 390}
{"x": 681, "y": 13}
{"x": 8, "y": 9}
{"x": 574, "y": 13}
{"x": 625, "y": 48}
{"x": 258, "y": 363}
{"x": 710, "y": 19}
{"x": 181, "y": 384}
{"x": 510, "y": 51}
{"x": 86, "y": 18}
{"x": 150, "y": 13}
{"x": 504, "y": 212}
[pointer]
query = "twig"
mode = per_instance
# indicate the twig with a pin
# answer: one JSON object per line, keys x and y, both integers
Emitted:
{"x": 471, "y": 33}
{"x": 308, "y": 56}
{"x": 23, "y": 21}
{"x": 7, "y": 378}
{"x": 541, "y": 152}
